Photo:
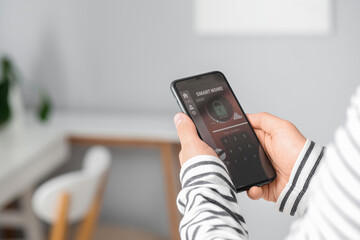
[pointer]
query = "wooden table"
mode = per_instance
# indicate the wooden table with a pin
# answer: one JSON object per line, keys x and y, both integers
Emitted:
{"x": 134, "y": 130}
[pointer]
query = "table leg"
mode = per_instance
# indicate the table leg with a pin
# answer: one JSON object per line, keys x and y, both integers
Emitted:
{"x": 167, "y": 156}
{"x": 33, "y": 229}
{"x": 176, "y": 147}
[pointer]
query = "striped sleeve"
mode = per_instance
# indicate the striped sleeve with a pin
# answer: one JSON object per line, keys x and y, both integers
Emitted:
{"x": 334, "y": 205}
{"x": 208, "y": 201}
{"x": 294, "y": 198}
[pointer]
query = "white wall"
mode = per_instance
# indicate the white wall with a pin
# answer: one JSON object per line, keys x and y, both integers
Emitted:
{"x": 122, "y": 55}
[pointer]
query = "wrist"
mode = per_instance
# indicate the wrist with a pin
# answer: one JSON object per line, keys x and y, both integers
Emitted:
{"x": 293, "y": 198}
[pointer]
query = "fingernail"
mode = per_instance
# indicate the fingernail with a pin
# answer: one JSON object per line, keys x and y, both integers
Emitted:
{"x": 178, "y": 118}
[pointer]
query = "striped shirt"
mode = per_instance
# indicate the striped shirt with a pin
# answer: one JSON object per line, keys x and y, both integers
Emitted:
{"x": 323, "y": 191}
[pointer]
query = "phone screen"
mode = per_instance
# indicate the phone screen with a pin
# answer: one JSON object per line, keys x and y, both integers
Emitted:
{"x": 222, "y": 124}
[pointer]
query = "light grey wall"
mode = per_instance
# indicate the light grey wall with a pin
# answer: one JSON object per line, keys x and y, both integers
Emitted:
{"x": 118, "y": 55}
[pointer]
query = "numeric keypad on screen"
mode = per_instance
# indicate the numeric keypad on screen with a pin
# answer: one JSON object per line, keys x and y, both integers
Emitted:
{"x": 239, "y": 148}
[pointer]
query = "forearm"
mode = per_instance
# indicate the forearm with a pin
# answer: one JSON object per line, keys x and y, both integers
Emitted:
{"x": 334, "y": 204}
{"x": 208, "y": 201}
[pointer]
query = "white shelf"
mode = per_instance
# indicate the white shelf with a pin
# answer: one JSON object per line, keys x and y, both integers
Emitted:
{"x": 26, "y": 157}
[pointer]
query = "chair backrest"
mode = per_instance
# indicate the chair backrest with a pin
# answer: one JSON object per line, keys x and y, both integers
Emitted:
{"x": 81, "y": 186}
{"x": 97, "y": 160}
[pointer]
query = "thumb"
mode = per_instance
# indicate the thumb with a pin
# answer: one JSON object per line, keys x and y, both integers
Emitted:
{"x": 186, "y": 129}
{"x": 255, "y": 193}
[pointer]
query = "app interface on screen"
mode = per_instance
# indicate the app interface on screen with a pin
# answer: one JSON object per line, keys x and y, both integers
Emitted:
{"x": 222, "y": 125}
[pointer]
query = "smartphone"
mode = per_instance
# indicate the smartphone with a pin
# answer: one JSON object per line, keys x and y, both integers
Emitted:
{"x": 221, "y": 123}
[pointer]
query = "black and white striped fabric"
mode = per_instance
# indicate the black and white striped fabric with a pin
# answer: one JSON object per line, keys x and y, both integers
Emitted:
{"x": 293, "y": 199}
{"x": 323, "y": 191}
{"x": 208, "y": 201}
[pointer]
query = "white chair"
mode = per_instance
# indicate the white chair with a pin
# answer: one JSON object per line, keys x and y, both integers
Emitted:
{"x": 77, "y": 196}
{"x": 74, "y": 196}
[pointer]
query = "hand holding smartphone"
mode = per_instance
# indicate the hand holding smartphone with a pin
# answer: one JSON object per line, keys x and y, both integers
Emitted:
{"x": 221, "y": 123}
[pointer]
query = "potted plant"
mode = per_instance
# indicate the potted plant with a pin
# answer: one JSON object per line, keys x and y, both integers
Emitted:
{"x": 11, "y": 102}
{"x": 11, "y": 105}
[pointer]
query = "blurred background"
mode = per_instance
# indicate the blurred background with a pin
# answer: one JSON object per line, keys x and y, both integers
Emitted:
{"x": 93, "y": 58}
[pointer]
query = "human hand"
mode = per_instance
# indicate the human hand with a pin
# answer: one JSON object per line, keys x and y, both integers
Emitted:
{"x": 191, "y": 144}
{"x": 283, "y": 143}
{"x": 280, "y": 138}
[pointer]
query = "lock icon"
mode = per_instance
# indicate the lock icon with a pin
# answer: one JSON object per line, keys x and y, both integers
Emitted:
{"x": 219, "y": 108}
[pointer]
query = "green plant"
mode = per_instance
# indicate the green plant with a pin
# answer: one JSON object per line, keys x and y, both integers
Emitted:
{"x": 45, "y": 107}
{"x": 9, "y": 75}
{"x": 7, "y": 78}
